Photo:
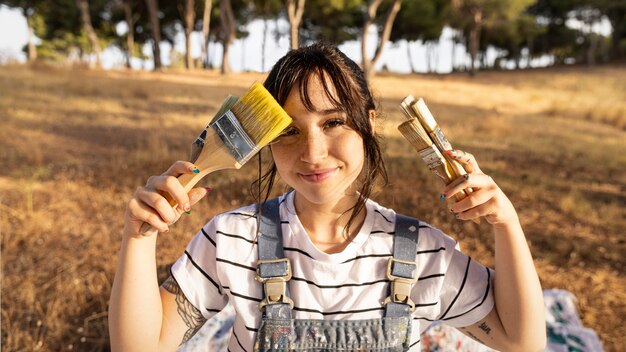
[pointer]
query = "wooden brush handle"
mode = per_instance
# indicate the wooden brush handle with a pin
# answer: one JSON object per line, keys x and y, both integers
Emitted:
{"x": 214, "y": 156}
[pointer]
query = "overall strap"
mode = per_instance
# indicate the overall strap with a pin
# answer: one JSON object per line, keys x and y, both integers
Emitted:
{"x": 402, "y": 267}
{"x": 273, "y": 268}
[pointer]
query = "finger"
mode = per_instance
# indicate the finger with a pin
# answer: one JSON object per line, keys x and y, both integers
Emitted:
{"x": 196, "y": 194}
{"x": 473, "y": 200}
{"x": 158, "y": 203}
{"x": 481, "y": 210}
{"x": 467, "y": 160}
{"x": 139, "y": 212}
{"x": 171, "y": 186}
{"x": 181, "y": 167}
{"x": 466, "y": 181}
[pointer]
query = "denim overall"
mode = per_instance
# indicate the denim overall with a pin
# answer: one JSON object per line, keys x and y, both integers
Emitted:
{"x": 279, "y": 332}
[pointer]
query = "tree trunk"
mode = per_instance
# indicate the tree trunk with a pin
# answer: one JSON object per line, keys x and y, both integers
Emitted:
{"x": 153, "y": 8}
{"x": 295, "y": 9}
{"x": 130, "y": 35}
{"x": 206, "y": 27}
{"x": 83, "y": 6}
{"x": 369, "y": 16}
{"x": 32, "y": 50}
{"x": 474, "y": 39}
{"x": 452, "y": 57}
{"x": 190, "y": 16}
{"x": 410, "y": 57}
{"x": 530, "y": 42}
{"x": 616, "y": 17}
{"x": 266, "y": 10}
{"x": 227, "y": 20}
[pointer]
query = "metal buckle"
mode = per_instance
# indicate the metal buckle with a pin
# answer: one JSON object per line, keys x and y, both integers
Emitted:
{"x": 400, "y": 286}
{"x": 276, "y": 286}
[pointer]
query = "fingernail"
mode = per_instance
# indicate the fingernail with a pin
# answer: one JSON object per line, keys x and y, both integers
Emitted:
{"x": 466, "y": 177}
{"x": 194, "y": 169}
{"x": 442, "y": 197}
{"x": 188, "y": 212}
{"x": 208, "y": 189}
{"x": 187, "y": 207}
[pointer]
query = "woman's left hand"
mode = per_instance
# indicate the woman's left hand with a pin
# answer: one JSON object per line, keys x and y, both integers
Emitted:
{"x": 487, "y": 199}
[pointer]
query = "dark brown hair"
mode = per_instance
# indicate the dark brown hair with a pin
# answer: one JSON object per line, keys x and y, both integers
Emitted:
{"x": 353, "y": 96}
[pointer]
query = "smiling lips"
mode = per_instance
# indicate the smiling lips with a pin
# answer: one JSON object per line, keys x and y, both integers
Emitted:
{"x": 318, "y": 175}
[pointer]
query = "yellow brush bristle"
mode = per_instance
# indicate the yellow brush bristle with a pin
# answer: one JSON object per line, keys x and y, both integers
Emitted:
{"x": 260, "y": 115}
{"x": 413, "y": 131}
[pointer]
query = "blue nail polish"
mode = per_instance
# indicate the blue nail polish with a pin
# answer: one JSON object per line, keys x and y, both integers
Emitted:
{"x": 196, "y": 171}
{"x": 442, "y": 197}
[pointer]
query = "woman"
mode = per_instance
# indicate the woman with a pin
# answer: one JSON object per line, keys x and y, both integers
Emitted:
{"x": 348, "y": 272}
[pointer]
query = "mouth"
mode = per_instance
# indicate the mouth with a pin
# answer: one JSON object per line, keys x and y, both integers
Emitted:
{"x": 318, "y": 175}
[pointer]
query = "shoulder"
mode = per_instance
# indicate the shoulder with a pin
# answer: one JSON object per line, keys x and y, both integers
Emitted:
{"x": 242, "y": 214}
{"x": 429, "y": 236}
{"x": 238, "y": 220}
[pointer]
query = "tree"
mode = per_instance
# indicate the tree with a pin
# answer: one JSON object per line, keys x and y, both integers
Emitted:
{"x": 83, "y": 6}
{"x": 472, "y": 16}
{"x": 130, "y": 19}
{"x": 228, "y": 25}
{"x": 155, "y": 26}
{"x": 295, "y": 10}
{"x": 345, "y": 15}
{"x": 420, "y": 20}
{"x": 558, "y": 39}
{"x": 615, "y": 11}
{"x": 266, "y": 9}
{"x": 29, "y": 10}
{"x": 513, "y": 36}
{"x": 189, "y": 18}
{"x": 384, "y": 31}
{"x": 206, "y": 30}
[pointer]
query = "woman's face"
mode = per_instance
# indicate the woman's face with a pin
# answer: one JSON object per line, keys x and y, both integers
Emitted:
{"x": 318, "y": 155}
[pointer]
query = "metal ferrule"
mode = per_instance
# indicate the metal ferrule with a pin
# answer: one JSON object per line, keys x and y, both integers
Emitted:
{"x": 432, "y": 157}
{"x": 234, "y": 137}
{"x": 440, "y": 139}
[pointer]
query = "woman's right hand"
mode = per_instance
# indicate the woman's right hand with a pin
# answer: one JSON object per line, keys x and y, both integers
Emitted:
{"x": 148, "y": 204}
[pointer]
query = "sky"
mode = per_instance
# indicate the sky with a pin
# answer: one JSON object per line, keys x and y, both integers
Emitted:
{"x": 245, "y": 54}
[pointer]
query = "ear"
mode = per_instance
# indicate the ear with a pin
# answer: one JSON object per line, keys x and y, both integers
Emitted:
{"x": 372, "y": 115}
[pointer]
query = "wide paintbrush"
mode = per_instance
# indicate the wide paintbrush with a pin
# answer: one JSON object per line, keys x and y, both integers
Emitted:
{"x": 425, "y": 135}
{"x": 240, "y": 129}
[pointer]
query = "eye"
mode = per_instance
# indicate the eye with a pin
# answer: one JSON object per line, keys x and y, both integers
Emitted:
{"x": 338, "y": 122}
{"x": 289, "y": 131}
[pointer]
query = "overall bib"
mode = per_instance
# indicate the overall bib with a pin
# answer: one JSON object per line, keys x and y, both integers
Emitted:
{"x": 280, "y": 332}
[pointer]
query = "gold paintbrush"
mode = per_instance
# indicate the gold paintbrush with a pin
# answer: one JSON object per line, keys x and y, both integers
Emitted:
{"x": 425, "y": 135}
{"x": 240, "y": 129}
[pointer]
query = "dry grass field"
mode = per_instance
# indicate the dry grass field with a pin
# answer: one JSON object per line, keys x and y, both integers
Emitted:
{"x": 74, "y": 144}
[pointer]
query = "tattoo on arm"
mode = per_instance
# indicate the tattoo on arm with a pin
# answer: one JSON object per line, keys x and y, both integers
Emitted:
{"x": 191, "y": 315}
{"x": 484, "y": 327}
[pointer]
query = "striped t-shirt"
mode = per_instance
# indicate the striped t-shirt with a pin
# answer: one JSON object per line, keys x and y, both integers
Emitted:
{"x": 220, "y": 261}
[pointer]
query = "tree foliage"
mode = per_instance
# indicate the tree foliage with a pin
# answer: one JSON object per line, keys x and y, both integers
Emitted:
{"x": 521, "y": 29}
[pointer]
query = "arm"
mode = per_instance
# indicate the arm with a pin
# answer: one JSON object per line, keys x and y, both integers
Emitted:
{"x": 517, "y": 322}
{"x": 142, "y": 317}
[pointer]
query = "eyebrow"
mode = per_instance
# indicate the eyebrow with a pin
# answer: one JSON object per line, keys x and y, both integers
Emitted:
{"x": 331, "y": 111}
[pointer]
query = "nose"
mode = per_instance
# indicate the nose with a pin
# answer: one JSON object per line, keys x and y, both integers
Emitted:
{"x": 315, "y": 147}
